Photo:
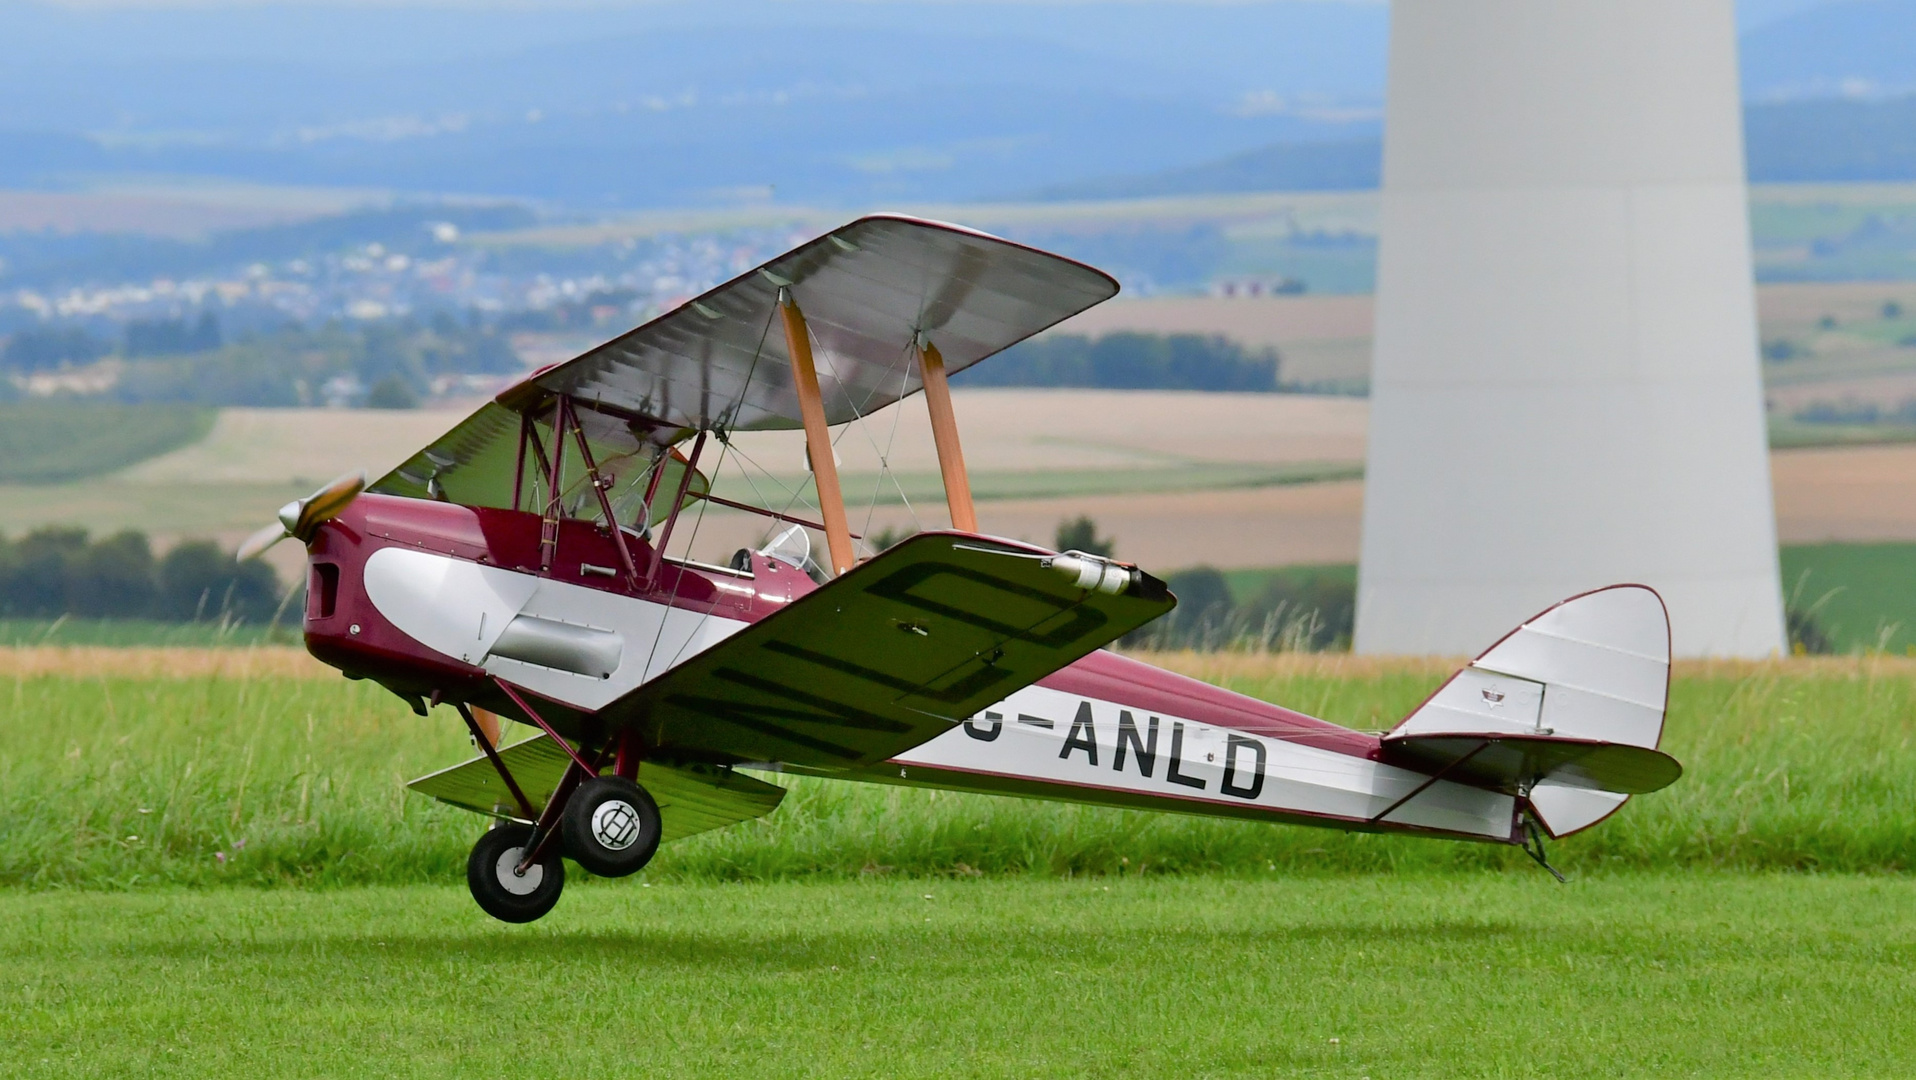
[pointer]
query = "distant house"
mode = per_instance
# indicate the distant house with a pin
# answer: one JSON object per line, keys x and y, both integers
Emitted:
{"x": 1252, "y": 288}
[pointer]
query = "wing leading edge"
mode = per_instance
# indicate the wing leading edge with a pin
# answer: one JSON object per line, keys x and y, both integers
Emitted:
{"x": 868, "y": 290}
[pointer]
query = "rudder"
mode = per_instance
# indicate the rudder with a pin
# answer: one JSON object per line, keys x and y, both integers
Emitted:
{"x": 1565, "y": 698}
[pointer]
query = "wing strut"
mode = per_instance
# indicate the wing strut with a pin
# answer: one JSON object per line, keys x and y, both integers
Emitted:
{"x": 944, "y": 433}
{"x": 818, "y": 438}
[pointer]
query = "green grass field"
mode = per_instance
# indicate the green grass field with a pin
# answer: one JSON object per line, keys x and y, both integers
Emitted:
{"x": 146, "y": 632}
{"x": 215, "y": 876}
{"x": 1863, "y": 595}
{"x": 54, "y": 442}
{"x": 1639, "y": 974}
{"x": 125, "y": 782}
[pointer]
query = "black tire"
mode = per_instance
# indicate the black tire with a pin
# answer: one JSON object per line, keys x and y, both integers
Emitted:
{"x": 611, "y": 826}
{"x": 501, "y": 893}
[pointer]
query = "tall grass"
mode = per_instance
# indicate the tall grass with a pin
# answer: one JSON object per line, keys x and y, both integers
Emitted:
{"x": 110, "y": 781}
{"x": 134, "y": 633}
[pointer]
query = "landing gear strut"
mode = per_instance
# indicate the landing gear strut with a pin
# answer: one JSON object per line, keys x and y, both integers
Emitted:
{"x": 608, "y": 824}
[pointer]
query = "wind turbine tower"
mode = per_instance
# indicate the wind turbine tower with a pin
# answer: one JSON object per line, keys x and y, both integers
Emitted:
{"x": 1565, "y": 388}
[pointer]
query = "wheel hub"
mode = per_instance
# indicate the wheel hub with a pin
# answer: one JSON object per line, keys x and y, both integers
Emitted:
{"x": 511, "y": 880}
{"x": 615, "y": 824}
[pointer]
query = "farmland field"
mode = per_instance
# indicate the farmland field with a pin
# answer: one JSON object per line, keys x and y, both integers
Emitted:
{"x": 1179, "y": 479}
{"x": 208, "y": 869}
{"x": 50, "y": 442}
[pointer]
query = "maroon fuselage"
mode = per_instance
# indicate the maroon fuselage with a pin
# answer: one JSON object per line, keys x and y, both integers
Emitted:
{"x": 344, "y": 629}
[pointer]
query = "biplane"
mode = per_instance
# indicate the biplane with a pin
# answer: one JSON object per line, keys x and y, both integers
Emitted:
{"x": 520, "y": 568}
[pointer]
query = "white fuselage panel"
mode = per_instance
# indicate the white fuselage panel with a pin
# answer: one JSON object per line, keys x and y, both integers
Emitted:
{"x": 460, "y": 608}
{"x": 1057, "y": 739}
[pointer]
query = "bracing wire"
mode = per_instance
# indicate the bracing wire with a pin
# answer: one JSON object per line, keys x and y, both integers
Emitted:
{"x": 679, "y": 579}
{"x": 884, "y": 463}
{"x": 885, "y": 470}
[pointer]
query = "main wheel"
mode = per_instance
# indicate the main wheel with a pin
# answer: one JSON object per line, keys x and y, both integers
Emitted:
{"x": 505, "y": 894}
{"x": 611, "y": 826}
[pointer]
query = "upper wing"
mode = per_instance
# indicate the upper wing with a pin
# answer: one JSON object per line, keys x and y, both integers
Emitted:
{"x": 867, "y": 290}
{"x": 885, "y": 657}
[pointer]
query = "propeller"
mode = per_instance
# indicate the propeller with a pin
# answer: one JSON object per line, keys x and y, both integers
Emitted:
{"x": 303, "y": 517}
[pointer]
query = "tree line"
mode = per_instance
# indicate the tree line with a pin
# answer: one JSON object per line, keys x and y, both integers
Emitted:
{"x": 1300, "y": 609}
{"x": 382, "y": 364}
{"x": 47, "y": 348}
{"x": 58, "y": 571}
{"x": 1129, "y": 361}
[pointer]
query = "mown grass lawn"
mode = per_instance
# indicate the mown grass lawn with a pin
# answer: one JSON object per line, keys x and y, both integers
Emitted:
{"x": 220, "y": 874}
{"x": 1463, "y": 974}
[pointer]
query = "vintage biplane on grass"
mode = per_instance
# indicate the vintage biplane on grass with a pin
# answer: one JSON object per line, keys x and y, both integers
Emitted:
{"x": 518, "y": 567}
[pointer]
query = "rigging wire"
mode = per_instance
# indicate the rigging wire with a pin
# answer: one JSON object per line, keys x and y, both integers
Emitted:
{"x": 885, "y": 470}
{"x": 884, "y": 465}
{"x": 678, "y": 581}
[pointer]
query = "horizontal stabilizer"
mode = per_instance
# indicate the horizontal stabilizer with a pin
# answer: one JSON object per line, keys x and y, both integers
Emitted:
{"x": 1513, "y": 763}
{"x": 692, "y": 798}
{"x": 890, "y": 655}
{"x": 1568, "y": 707}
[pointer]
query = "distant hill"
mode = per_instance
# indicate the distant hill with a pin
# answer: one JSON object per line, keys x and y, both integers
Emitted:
{"x": 1850, "y": 47}
{"x": 1832, "y": 140}
{"x": 674, "y": 103}
{"x": 831, "y": 102}
{"x": 1826, "y": 140}
{"x": 1343, "y": 165}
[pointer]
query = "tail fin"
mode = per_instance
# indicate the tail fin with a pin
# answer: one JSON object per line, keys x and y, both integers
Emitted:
{"x": 1565, "y": 711}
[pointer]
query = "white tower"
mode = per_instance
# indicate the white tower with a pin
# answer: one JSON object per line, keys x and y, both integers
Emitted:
{"x": 1565, "y": 391}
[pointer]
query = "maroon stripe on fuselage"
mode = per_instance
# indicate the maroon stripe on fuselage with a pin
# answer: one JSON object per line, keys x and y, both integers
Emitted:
{"x": 1106, "y": 676}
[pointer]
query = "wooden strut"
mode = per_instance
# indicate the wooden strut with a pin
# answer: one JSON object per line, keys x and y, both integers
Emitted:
{"x": 944, "y": 434}
{"x": 818, "y": 437}
{"x": 488, "y": 724}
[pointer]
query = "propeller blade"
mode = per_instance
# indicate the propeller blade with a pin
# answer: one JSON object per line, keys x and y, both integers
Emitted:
{"x": 301, "y": 518}
{"x": 326, "y": 504}
{"x": 256, "y": 544}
